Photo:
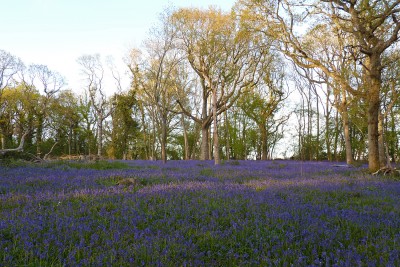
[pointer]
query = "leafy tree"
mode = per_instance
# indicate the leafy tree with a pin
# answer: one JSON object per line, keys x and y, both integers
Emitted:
{"x": 124, "y": 126}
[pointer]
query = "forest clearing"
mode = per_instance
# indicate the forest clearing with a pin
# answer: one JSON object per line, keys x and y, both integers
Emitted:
{"x": 195, "y": 213}
{"x": 266, "y": 134}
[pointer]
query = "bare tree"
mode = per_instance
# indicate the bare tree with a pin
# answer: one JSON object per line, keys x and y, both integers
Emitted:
{"x": 225, "y": 60}
{"x": 93, "y": 71}
{"x": 372, "y": 25}
{"x": 50, "y": 83}
{"x": 10, "y": 66}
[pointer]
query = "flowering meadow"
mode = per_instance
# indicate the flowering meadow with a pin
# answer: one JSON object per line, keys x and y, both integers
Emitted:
{"x": 192, "y": 213}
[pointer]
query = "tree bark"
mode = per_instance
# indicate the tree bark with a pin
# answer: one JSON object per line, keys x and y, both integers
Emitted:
{"x": 99, "y": 136}
{"x": 39, "y": 134}
{"x": 327, "y": 130}
{"x": 346, "y": 127}
{"x": 164, "y": 139}
{"x": 217, "y": 159}
{"x": 373, "y": 80}
{"x": 186, "y": 153}
{"x": 381, "y": 142}
{"x": 347, "y": 139}
{"x": 264, "y": 148}
{"x": 204, "y": 150}
{"x": 227, "y": 137}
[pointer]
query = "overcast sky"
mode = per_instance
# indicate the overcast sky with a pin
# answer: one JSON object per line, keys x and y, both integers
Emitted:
{"x": 56, "y": 32}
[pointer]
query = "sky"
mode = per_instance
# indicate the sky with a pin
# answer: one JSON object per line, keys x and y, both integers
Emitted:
{"x": 57, "y": 32}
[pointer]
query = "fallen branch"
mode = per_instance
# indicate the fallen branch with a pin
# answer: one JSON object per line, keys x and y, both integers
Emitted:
{"x": 20, "y": 148}
{"x": 343, "y": 166}
{"x": 51, "y": 150}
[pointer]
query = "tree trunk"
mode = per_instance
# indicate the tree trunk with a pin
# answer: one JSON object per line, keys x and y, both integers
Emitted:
{"x": 217, "y": 159}
{"x": 69, "y": 139}
{"x": 318, "y": 130}
{"x": 204, "y": 154}
{"x": 374, "y": 82}
{"x": 394, "y": 140}
{"x": 346, "y": 128}
{"x": 373, "y": 133}
{"x": 185, "y": 139}
{"x": 264, "y": 148}
{"x": 381, "y": 142}
{"x": 99, "y": 136}
{"x": 164, "y": 139}
{"x": 3, "y": 142}
{"x": 336, "y": 139}
{"x": 39, "y": 135}
{"x": 227, "y": 137}
{"x": 327, "y": 130}
{"x": 347, "y": 139}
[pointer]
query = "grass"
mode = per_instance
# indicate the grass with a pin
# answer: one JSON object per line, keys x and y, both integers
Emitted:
{"x": 246, "y": 214}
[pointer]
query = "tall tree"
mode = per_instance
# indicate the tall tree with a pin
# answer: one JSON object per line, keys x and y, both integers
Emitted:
{"x": 49, "y": 83}
{"x": 124, "y": 126}
{"x": 93, "y": 71}
{"x": 373, "y": 25}
{"x": 10, "y": 66}
{"x": 225, "y": 59}
{"x": 263, "y": 102}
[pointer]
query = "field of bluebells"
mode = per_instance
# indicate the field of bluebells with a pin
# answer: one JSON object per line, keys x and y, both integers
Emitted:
{"x": 192, "y": 213}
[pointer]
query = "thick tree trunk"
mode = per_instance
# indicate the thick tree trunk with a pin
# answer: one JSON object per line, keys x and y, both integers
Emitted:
{"x": 347, "y": 139}
{"x": 264, "y": 148}
{"x": 373, "y": 133}
{"x": 346, "y": 128}
{"x": 374, "y": 82}
{"x": 204, "y": 149}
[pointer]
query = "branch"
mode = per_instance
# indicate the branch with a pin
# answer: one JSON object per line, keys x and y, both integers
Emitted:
{"x": 20, "y": 148}
{"x": 51, "y": 150}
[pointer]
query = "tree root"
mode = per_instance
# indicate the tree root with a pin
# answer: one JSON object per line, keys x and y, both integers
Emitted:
{"x": 387, "y": 171}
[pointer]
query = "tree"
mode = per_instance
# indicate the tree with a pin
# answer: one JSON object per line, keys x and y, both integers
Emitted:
{"x": 225, "y": 59}
{"x": 66, "y": 122}
{"x": 372, "y": 24}
{"x": 10, "y": 66}
{"x": 263, "y": 102}
{"x": 124, "y": 126}
{"x": 93, "y": 71}
{"x": 160, "y": 75}
{"x": 50, "y": 83}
